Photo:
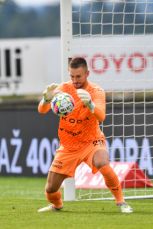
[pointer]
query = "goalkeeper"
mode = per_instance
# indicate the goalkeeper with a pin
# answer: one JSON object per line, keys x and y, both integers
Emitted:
{"x": 81, "y": 139}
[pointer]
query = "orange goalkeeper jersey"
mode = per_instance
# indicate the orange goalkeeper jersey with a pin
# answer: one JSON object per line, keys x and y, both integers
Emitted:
{"x": 81, "y": 125}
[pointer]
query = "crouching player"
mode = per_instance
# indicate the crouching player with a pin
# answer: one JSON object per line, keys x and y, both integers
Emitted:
{"x": 81, "y": 140}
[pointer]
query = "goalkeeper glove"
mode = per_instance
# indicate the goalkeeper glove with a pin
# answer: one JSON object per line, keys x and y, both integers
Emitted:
{"x": 49, "y": 93}
{"x": 86, "y": 99}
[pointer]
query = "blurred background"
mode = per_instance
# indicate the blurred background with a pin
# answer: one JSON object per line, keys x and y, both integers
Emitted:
{"x": 21, "y": 19}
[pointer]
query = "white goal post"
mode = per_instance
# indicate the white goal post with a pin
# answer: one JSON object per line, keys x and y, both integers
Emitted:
{"x": 115, "y": 38}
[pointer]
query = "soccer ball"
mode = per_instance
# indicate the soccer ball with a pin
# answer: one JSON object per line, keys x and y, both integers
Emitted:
{"x": 62, "y": 104}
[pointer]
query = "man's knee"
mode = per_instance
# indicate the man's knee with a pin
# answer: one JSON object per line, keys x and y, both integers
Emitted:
{"x": 100, "y": 158}
{"x": 99, "y": 165}
{"x": 54, "y": 182}
{"x": 49, "y": 188}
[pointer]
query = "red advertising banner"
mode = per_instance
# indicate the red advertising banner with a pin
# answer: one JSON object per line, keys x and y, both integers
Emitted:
{"x": 129, "y": 173}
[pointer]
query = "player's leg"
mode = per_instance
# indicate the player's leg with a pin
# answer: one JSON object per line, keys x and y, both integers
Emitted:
{"x": 52, "y": 192}
{"x": 98, "y": 159}
{"x": 101, "y": 162}
{"x": 53, "y": 184}
{"x": 63, "y": 166}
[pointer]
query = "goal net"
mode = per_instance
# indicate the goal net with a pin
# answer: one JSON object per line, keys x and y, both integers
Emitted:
{"x": 115, "y": 38}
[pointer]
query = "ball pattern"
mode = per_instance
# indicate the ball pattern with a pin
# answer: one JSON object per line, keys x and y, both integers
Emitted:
{"x": 62, "y": 103}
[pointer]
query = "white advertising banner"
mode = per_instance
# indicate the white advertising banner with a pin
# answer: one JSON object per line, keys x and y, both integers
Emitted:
{"x": 115, "y": 63}
{"x": 27, "y": 65}
{"x": 118, "y": 63}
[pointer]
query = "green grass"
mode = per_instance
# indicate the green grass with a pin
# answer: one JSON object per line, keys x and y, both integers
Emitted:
{"x": 21, "y": 197}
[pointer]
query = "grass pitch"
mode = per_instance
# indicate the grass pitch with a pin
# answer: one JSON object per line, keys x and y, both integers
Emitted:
{"x": 21, "y": 197}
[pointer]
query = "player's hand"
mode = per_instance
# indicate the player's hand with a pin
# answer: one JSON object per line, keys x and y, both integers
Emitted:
{"x": 86, "y": 99}
{"x": 49, "y": 92}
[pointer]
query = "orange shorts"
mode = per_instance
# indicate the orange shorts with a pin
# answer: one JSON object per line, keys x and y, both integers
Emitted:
{"x": 66, "y": 161}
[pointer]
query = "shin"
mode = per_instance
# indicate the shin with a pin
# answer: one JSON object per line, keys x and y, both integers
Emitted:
{"x": 112, "y": 182}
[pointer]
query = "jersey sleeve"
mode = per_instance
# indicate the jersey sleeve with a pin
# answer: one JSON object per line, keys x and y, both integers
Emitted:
{"x": 100, "y": 104}
{"x": 43, "y": 108}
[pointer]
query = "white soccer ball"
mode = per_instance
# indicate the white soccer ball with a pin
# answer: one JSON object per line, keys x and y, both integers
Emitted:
{"x": 62, "y": 104}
